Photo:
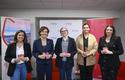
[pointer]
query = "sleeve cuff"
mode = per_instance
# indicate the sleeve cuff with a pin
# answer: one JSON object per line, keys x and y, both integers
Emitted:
{"x": 13, "y": 60}
{"x": 27, "y": 59}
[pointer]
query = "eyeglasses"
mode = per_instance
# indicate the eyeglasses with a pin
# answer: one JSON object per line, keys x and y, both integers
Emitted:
{"x": 63, "y": 30}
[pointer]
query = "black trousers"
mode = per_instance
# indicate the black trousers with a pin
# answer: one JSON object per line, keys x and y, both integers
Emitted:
{"x": 86, "y": 72}
{"x": 44, "y": 70}
{"x": 109, "y": 72}
{"x": 65, "y": 73}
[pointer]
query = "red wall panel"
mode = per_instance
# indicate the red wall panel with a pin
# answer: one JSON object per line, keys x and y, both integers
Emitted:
{"x": 97, "y": 28}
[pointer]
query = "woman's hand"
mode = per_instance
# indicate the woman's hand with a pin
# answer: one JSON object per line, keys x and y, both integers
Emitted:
{"x": 48, "y": 56}
{"x": 67, "y": 54}
{"x": 62, "y": 55}
{"x": 42, "y": 56}
{"x": 16, "y": 60}
{"x": 106, "y": 51}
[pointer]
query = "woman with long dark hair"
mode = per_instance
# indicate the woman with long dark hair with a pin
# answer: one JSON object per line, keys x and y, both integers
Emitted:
{"x": 110, "y": 47}
{"x": 18, "y": 55}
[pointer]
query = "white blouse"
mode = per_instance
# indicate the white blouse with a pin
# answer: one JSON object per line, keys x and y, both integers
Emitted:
{"x": 19, "y": 52}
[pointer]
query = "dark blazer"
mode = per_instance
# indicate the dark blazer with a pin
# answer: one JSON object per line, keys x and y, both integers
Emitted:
{"x": 71, "y": 49}
{"x": 39, "y": 49}
{"x": 11, "y": 53}
{"x": 115, "y": 46}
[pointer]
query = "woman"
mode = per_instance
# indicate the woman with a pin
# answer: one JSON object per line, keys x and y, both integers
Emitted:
{"x": 43, "y": 52}
{"x": 65, "y": 50}
{"x": 110, "y": 47}
{"x": 18, "y": 55}
{"x": 86, "y": 46}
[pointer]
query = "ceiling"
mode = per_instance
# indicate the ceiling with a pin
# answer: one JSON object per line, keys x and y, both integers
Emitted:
{"x": 64, "y": 4}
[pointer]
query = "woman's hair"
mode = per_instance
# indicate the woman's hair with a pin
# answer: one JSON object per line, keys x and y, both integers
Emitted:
{"x": 15, "y": 36}
{"x": 111, "y": 26}
{"x": 85, "y": 24}
{"x": 63, "y": 28}
{"x": 42, "y": 28}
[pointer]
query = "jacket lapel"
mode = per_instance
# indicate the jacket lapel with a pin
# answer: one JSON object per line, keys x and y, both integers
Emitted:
{"x": 69, "y": 42}
{"x": 14, "y": 48}
{"x": 25, "y": 50}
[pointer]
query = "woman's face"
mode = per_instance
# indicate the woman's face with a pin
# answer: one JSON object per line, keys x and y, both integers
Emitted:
{"x": 109, "y": 31}
{"x": 64, "y": 32}
{"x": 44, "y": 33}
{"x": 20, "y": 37}
{"x": 86, "y": 29}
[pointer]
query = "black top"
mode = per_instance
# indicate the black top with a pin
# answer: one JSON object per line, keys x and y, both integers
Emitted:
{"x": 85, "y": 42}
{"x": 38, "y": 49}
{"x": 115, "y": 46}
{"x": 71, "y": 49}
{"x": 11, "y": 53}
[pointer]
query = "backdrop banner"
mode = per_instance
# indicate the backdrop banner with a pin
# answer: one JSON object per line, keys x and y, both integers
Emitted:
{"x": 9, "y": 26}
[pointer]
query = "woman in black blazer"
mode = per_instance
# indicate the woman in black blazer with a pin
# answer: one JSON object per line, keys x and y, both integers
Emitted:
{"x": 43, "y": 52}
{"x": 18, "y": 55}
{"x": 110, "y": 47}
{"x": 65, "y": 49}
